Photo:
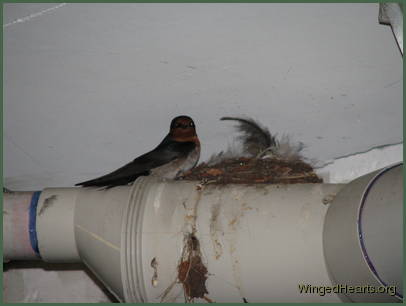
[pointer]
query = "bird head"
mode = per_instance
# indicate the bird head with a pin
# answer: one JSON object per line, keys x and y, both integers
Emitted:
{"x": 183, "y": 129}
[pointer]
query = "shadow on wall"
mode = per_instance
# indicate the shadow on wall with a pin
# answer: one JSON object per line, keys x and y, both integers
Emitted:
{"x": 59, "y": 267}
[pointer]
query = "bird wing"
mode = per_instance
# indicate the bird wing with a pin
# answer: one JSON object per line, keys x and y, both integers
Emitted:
{"x": 165, "y": 152}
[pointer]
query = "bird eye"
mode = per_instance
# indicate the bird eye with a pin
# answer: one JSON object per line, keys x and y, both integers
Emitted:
{"x": 191, "y": 124}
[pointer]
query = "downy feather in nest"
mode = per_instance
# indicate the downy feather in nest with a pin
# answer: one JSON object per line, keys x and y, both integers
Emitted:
{"x": 258, "y": 142}
{"x": 254, "y": 137}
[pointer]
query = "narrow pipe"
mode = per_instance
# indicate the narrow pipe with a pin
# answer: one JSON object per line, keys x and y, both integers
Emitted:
{"x": 19, "y": 230}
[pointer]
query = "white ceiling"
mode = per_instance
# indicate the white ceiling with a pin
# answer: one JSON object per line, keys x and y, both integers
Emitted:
{"x": 88, "y": 87}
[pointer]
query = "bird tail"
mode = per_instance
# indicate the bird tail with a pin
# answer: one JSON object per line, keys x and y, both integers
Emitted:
{"x": 93, "y": 183}
{"x": 106, "y": 182}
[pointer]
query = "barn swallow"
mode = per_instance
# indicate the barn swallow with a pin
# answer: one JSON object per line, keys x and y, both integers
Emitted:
{"x": 178, "y": 152}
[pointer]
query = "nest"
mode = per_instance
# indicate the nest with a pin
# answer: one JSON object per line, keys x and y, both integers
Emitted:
{"x": 262, "y": 159}
{"x": 245, "y": 170}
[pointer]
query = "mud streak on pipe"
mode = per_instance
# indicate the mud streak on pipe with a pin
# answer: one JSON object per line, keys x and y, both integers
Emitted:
{"x": 214, "y": 229}
{"x": 48, "y": 202}
{"x": 192, "y": 273}
{"x": 235, "y": 216}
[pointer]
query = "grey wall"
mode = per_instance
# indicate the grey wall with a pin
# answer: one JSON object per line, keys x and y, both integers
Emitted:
{"x": 88, "y": 87}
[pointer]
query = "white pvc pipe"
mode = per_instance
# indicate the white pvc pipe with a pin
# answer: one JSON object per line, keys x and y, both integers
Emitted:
{"x": 55, "y": 220}
{"x": 392, "y": 13}
{"x": 258, "y": 243}
{"x": 363, "y": 236}
{"x": 380, "y": 220}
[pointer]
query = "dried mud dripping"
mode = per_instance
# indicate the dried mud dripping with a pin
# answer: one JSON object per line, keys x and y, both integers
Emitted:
{"x": 243, "y": 170}
{"x": 192, "y": 273}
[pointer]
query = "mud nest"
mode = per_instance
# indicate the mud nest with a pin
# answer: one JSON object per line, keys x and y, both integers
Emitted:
{"x": 254, "y": 171}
